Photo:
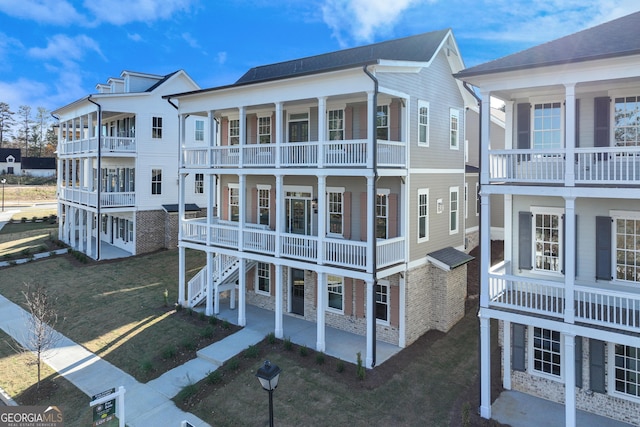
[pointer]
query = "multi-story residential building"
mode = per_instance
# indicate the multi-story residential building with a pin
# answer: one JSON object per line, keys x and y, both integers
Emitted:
{"x": 567, "y": 295}
{"x": 334, "y": 187}
{"x": 117, "y": 166}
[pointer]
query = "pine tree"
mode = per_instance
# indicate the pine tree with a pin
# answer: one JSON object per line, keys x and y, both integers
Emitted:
{"x": 25, "y": 121}
{"x": 6, "y": 121}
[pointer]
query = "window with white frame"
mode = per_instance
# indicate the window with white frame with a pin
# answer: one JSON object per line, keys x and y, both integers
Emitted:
{"x": 423, "y": 215}
{"x": 336, "y": 125}
{"x": 626, "y": 121}
{"x": 382, "y": 214}
{"x": 453, "y": 210}
{"x": 547, "y": 233}
{"x": 335, "y": 207}
{"x": 382, "y": 122}
{"x": 264, "y": 130}
{"x": 626, "y": 367}
{"x": 454, "y": 129}
{"x": 546, "y": 352}
{"x": 199, "y": 130}
{"x": 627, "y": 246}
{"x": 156, "y": 181}
{"x": 234, "y": 132}
{"x": 263, "y": 278}
{"x": 423, "y": 123}
{"x": 199, "y": 183}
{"x": 382, "y": 301}
{"x": 234, "y": 203}
{"x": 547, "y": 125}
{"x": 335, "y": 290}
{"x": 156, "y": 127}
{"x": 264, "y": 194}
{"x": 130, "y": 228}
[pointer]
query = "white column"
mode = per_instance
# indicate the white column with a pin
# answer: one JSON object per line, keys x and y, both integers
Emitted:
{"x": 211, "y": 203}
{"x": 508, "y": 230}
{"x": 181, "y": 275}
{"x": 506, "y": 355}
{"x": 320, "y": 322}
{"x": 570, "y": 134}
{"x": 279, "y": 301}
{"x": 242, "y": 287}
{"x": 402, "y": 312}
{"x": 485, "y": 367}
{"x": 243, "y": 134}
{"x": 485, "y": 247}
{"x": 212, "y": 292}
{"x": 569, "y": 257}
{"x": 508, "y": 125}
{"x": 369, "y": 315}
{"x": 280, "y": 214}
{"x": 216, "y": 294}
{"x": 211, "y": 135}
{"x": 569, "y": 380}
{"x": 279, "y": 136}
{"x": 242, "y": 201}
{"x": 322, "y": 216}
{"x": 371, "y": 128}
{"x": 322, "y": 128}
{"x": 485, "y": 137}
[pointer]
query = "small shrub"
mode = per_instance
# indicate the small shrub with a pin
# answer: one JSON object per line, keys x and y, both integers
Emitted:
{"x": 190, "y": 311}
{"x": 304, "y": 351}
{"x": 188, "y": 344}
{"x": 320, "y": 358}
{"x": 146, "y": 366}
{"x": 207, "y": 332}
{"x": 271, "y": 338}
{"x": 34, "y": 219}
{"x": 340, "y": 366}
{"x": 187, "y": 392}
{"x": 288, "y": 345}
{"x": 360, "y": 370}
{"x": 179, "y": 306}
{"x": 226, "y": 325}
{"x": 213, "y": 320}
{"x": 252, "y": 352}
{"x": 169, "y": 352}
{"x": 233, "y": 364}
{"x": 202, "y": 316}
{"x": 214, "y": 377}
{"x": 25, "y": 252}
{"x": 23, "y": 219}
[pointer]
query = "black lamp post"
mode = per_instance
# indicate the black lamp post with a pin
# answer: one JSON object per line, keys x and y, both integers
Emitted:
{"x": 3, "y": 181}
{"x": 268, "y": 376}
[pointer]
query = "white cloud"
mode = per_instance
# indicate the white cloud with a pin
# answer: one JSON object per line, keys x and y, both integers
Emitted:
{"x": 222, "y": 57}
{"x": 59, "y": 12}
{"x": 362, "y": 19}
{"x": 190, "y": 40}
{"x": 119, "y": 12}
{"x": 66, "y": 49}
{"x": 134, "y": 37}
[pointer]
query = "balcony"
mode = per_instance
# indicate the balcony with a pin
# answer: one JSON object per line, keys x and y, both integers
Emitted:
{"x": 259, "y": 239}
{"x": 591, "y": 305}
{"x": 592, "y": 166}
{"x": 314, "y": 154}
{"x": 108, "y": 144}
{"x": 89, "y": 198}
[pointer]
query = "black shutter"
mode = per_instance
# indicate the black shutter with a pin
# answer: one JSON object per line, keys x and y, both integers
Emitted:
{"x": 524, "y": 235}
{"x": 603, "y": 248}
{"x": 601, "y": 122}
{"x": 596, "y": 366}
{"x": 517, "y": 344}
{"x": 578, "y": 361}
{"x": 524, "y": 126}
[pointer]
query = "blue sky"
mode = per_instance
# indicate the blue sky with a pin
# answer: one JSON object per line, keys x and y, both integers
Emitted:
{"x": 53, "y": 52}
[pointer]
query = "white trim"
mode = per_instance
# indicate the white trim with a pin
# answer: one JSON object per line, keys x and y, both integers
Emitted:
{"x": 388, "y": 303}
{"x": 424, "y": 104}
{"x": 327, "y": 307}
{"x": 432, "y": 171}
{"x": 257, "y": 280}
{"x": 423, "y": 191}
{"x": 538, "y": 210}
{"x": 530, "y": 358}
{"x": 611, "y": 377}
{"x": 263, "y": 186}
{"x": 455, "y": 189}
{"x": 454, "y": 112}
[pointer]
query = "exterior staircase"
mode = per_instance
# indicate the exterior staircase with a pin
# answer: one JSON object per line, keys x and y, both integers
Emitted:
{"x": 225, "y": 277}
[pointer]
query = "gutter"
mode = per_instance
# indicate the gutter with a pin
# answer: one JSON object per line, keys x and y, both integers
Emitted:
{"x": 373, "y": 207}
{"x": 99, "y": 189}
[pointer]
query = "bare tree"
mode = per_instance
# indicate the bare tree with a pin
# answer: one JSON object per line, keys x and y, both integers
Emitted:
{"x": 24, "y": 111}
{"x": 40, "y": 334}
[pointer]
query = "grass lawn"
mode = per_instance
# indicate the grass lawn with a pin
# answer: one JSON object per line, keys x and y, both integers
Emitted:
{"x": 20, "y": 240}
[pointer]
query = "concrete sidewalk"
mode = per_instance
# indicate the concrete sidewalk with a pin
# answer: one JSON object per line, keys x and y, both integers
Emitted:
{"x": 145, "y": 404}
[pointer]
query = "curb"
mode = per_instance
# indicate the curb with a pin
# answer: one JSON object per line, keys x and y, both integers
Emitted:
{"x": 7, "y": 399}
{"x": 34, "y": 258}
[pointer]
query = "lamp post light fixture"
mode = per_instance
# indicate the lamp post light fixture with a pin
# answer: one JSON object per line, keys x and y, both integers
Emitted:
{"x": 268, "y": 375}
{"x": 3, "y": 182}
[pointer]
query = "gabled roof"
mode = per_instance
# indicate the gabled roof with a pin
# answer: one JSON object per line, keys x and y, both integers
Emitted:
{"x": 164, "y": 79}
{"x": 449, "y": 258}
{"x": 38, "y": 163}
{"x": 6, "y": 152}
{"x": 612, "y": 39}
{"x": 420, "y": 48}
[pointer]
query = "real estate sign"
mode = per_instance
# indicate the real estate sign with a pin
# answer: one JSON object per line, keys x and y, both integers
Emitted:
{"x": 104, "y": 411}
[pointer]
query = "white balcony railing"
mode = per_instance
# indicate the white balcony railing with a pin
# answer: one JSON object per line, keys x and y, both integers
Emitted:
{"x": 108, "y": 144}
{"x": 607, "y": 308}
{"x": 348, "y": 153}
{"x": 595, "y": 165}
{"x": 261, "y": 239}
{"x": 90, "y": 198}
{"x": 526, "y": 294}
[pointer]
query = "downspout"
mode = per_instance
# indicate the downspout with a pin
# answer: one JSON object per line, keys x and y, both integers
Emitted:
{"x": 373, "y": 207}
{"x": 99, "y": 177}
{"x": 480, "y": 254}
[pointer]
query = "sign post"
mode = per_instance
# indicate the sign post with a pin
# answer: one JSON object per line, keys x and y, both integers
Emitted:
{"x": 105, "y": 407}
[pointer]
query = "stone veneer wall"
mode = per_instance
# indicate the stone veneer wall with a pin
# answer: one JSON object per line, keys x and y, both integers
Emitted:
{"x": 597, "y": 403}
{"x": 471, "y": 240}
{"x": 150, "y": 231}
{"x": 435, "y": 299}
{"x": 172, "y": 223}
